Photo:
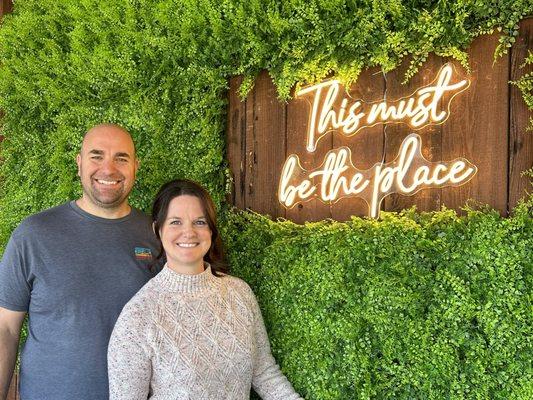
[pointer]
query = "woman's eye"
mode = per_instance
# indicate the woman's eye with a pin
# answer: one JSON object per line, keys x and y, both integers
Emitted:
{"x": 175, "y": 222}
{"x": 200, "y": 222}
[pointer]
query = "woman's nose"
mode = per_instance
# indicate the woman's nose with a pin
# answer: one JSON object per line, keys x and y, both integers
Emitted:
{"x": 188, "y": 230}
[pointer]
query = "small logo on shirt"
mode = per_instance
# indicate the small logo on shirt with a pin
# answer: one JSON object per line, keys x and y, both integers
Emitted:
{"x": 142, "y": 253}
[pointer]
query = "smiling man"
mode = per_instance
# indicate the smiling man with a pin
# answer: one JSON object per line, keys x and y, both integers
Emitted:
{"x": 71, "y": 269}
{"x": 107, "y": 168}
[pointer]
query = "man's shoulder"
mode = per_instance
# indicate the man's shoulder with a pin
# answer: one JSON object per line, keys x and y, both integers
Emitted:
{"x": 140, "y": 215}
{"x": 145, "y": 302}
{"x": 43, "y": 219}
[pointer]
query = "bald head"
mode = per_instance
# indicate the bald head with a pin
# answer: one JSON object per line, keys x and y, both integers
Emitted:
{"x": 109, "y": 131}
{"x": 107, "y": 166}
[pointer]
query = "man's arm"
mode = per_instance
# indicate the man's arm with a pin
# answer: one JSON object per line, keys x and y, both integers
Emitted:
{"x": 10, "y": 324}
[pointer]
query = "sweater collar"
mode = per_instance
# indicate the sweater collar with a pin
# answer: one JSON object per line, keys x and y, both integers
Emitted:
{"x": 183, "y": 283}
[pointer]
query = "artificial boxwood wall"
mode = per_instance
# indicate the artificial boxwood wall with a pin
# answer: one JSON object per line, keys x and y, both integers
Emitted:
{"x": 410, "y": 307}
{"x": 428, "y": 306}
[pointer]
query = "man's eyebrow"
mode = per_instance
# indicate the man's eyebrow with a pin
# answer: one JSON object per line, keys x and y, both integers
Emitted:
{"x": 95, "y": 151}
{"x": 101, "y": 152}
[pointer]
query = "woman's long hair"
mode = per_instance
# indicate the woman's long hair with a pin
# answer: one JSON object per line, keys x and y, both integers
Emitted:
{"x": 181, "y": 187}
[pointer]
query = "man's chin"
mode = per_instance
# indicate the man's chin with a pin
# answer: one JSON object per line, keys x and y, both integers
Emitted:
{"x": 109, "y": 202}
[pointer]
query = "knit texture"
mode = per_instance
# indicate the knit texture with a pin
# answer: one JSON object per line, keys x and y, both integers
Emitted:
{"x": 193, "y": 337}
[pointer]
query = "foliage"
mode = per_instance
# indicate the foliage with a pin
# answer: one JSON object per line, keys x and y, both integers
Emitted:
{"x": 160, "y": 69}
{"x": 430, "y": 306}
{"x": 414, "y": 306}
{"x": 525, "y": 84}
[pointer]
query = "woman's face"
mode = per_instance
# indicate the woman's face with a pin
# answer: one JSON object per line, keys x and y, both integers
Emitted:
{"x": 185, "y": 235}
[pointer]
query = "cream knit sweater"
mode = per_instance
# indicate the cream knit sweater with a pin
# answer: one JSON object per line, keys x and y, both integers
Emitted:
{"x": 193, "y": 337}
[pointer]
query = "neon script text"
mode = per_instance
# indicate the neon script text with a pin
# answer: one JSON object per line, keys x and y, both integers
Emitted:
{"x": 337, "y": 177}
{"x": 422, "y": 108}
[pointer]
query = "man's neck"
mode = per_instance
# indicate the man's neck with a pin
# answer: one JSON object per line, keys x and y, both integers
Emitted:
{"x": 108, "y": 213}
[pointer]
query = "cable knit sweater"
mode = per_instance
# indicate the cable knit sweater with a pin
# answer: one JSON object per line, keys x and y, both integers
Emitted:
{"x": 193, "y": 337}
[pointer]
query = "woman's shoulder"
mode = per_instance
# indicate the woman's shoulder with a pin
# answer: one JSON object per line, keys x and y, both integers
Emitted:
{"x": 234, "y": 281}
{"x": 143, "y": 301}
{"x": 238, "y": 285}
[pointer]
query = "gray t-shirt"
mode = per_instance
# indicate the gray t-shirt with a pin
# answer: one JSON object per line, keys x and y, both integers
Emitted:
{"x": 72, "y": 272}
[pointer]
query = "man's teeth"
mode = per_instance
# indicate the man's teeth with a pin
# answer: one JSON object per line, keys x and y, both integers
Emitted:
{"x": 104, "y": 182}
{"x": 187, "y": 244}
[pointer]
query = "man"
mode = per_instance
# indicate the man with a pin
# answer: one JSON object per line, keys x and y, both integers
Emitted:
{"x": 72, "y": 268}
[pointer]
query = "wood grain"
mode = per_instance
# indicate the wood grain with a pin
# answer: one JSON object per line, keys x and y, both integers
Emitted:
{"x": 486, "y": 126}
{"x": 479, "y": 129}
{"x": 366, "y": 145}
{"x": 265, "y": 147}
{"x": 298, "y": 110}
{"x": 520, "y": 140}
{"x": 6, "y": 6}
{"x": 236, "y": 143}
{"x": 426, "y": 199}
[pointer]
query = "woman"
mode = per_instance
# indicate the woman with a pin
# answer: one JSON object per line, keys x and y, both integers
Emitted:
{"x": 192, "y": 332}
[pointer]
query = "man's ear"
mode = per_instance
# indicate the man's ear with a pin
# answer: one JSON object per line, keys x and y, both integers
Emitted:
{"x": 78, "y": 162}
{"x": 137, "y": 164}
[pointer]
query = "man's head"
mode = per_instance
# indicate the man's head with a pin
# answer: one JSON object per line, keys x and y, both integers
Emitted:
{"x": 107, "y": 166}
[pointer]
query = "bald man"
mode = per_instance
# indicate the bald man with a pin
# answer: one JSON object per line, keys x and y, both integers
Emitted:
{"x": 71, "y": 269}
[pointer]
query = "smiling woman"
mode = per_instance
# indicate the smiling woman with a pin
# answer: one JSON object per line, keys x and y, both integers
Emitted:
{"x": 186, "y": 235}
{"x": 192, "y": 332}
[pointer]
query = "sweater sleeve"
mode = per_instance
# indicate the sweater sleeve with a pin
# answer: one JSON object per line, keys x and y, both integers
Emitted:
{"x": 128, "y": 356}
{"x": 267, "y": 380}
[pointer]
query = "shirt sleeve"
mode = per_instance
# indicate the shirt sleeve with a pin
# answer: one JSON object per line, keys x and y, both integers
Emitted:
{"x": 129, "y": 356}
{"x": 15, "y": 276}
{"x": 267, "y": 379}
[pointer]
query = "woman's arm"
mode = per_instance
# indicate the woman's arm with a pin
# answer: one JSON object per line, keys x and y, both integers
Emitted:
{"x": 128, "y": 357}
{"x": 267, "y": 380}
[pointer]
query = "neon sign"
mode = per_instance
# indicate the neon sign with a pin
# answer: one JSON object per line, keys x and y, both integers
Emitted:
{"x": 418, "y": 110}
{"x": 410, "y": 172}
{"x": 337, "y": 177}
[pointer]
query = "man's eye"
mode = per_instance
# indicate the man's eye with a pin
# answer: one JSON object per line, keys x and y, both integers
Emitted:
{"x": 96, "y": 157}
{"x": 122, "y": 160}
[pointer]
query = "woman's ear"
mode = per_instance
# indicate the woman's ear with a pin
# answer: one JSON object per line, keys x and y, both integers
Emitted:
{"x": 153, "y": 228}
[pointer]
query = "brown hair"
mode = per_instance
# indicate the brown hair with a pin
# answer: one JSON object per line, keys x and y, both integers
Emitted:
{"x": 180, "y": 187}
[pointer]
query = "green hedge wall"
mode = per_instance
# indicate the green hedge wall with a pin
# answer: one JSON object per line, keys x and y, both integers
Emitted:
{"x": 428, "y": 306}
{"x": 161, "y": 69}
{"x": 414, "y": 306}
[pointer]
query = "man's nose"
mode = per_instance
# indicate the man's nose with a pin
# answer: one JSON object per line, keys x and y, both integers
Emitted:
{"x": 108, "y": 165}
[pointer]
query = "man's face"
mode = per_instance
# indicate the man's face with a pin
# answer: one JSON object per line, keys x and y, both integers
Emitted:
{"x": 107, "y": 167}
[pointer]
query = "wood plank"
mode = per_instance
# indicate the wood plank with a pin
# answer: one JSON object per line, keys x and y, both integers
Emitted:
{"x": 6, "y": 6}
{"x": 265, "y": 147}
{"x": 426, "y": 199}
{"x": 520, "y": 140}
{"x": 366, "y": 145}
{"x": 236, "y": 142}
{"x": 298, "y": 113}
{"x": 248, "y": 145}
{"x": 479, "y": 129}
